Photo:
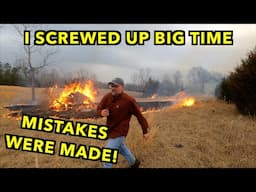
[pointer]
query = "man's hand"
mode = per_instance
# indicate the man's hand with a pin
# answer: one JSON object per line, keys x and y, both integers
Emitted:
{"x": 105, "y": 112}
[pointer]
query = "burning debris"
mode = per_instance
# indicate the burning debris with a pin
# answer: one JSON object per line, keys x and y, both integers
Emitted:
{"x": 181, "y": 99}
{"x": 75, "y": 97}
{"x": 74, "y": 101}
{"x": 77, "y": 101}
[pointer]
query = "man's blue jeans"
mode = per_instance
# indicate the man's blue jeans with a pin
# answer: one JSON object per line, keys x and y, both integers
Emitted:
{"x": 119, "y": 143}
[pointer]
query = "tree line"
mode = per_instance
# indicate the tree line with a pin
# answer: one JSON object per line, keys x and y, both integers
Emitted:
{"x": 195, "y": 81}
{"x": 9, "y": 75}
{"x": 142, "y": 80}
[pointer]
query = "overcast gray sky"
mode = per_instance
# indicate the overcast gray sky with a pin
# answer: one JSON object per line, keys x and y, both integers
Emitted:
{"x": 123, "y": 60}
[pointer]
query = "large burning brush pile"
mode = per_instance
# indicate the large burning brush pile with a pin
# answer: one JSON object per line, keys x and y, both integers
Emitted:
{"x": 76, "y": 97}
{"x": 77, "y": 100}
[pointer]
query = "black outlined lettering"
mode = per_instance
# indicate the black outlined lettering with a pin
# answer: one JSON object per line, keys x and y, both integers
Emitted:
{"x": 77, "y": 37}
{"x": 30, "y": 144}
{"x": 169, "y": 37}
{"x": 136, "y": 37}
{"x": 64, "y": 127}
{"x": 211, "y": 37}
{"x": 26, "y": 37}
{"x": 92, "y": 153}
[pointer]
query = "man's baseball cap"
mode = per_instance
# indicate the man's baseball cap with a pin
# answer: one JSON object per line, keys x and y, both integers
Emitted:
{"x": 116, "y": 81}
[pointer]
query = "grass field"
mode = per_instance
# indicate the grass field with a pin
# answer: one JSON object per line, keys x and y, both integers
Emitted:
{"x": 209, "y": 134}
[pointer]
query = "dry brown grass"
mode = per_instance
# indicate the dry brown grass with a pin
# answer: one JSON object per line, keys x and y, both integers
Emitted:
{"x": 211, "y": 133}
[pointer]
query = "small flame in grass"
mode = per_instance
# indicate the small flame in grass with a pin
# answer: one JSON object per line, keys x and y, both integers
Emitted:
{"x": 188, "y": 102}
{"x": 154, "y": 96}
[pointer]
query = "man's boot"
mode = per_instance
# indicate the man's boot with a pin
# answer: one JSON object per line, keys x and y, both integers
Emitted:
{"x": 136, "y": 164}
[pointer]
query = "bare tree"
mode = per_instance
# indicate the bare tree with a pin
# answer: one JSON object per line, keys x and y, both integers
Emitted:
{"x": 141, "y": 77}
{"x": 84, "y": 75}
{"x": 30, "y": 51}
{"x": 49, "y": 78}
{"x": 177, "y": 77}
{"x": 199, "y": 76}
{"x": 81, "y": 75}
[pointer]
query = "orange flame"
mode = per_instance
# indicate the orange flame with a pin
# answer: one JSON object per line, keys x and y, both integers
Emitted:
{"x": 75, "y": 94}
{"x": 154, "y": 96}
{"x": 188, "y": 102}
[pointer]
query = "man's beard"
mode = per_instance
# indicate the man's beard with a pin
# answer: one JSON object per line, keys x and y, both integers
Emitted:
{"x": 115, "y": 93}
